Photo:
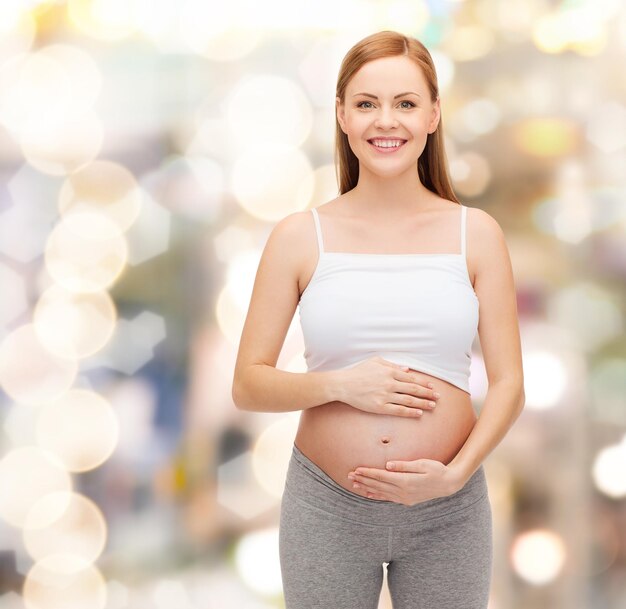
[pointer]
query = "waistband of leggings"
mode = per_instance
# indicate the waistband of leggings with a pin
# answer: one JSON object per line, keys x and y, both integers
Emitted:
{"x": 308, "y": 483}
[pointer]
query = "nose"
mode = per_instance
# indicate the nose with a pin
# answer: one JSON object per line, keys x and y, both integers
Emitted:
{"x": 386, "y": 119}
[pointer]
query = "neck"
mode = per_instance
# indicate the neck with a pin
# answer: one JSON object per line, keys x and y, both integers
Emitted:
{"x": 390, "y": 195}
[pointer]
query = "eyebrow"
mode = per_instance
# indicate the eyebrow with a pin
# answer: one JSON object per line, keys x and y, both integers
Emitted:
{"x": 395, "y": 96}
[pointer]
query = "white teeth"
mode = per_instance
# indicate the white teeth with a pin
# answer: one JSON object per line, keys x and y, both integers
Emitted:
{"x": 387, "y": 143}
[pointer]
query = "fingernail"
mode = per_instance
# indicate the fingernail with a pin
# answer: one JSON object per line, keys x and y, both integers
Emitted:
{"x": 433, "y": 404}
{"x": 430, "y": 385}
{"x": 390, "y": 465}
{"x": 437, "y": 395}
{"x": 351, "y": 476}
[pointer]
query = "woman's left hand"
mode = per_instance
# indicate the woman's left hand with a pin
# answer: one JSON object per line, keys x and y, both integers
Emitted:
{"x": 407, "y": 482}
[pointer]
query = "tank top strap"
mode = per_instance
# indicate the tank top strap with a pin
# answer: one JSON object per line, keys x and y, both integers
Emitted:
{"x": 463, "y": 225}
{"x": 318, "y": 230}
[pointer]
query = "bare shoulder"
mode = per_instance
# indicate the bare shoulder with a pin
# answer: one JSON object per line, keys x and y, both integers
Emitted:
{"x": 293, "y": 240}
{"x": 293, "y": 234}
{"x": 292, "y": 228}
{"x": 484, "y": 232}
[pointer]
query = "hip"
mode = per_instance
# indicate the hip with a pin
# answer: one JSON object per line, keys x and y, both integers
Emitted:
{"x": 310, "y": 486}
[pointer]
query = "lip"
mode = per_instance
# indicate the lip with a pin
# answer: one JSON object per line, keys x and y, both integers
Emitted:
{"x": 386, "y": 150}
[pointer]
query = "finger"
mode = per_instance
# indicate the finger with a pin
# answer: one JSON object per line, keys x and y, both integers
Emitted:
{"x": 372, "y": 486}
{"x": 391, "y": 364}
{"x": 417, "y": 467}
{"x": 408, "y": 399}
{"x": 422, "y": 390}
{"x": 373, "y": 473}
{"x": 402, "y": 411}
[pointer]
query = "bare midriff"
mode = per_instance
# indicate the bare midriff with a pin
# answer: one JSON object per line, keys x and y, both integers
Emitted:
{"x": 339, "y": 438}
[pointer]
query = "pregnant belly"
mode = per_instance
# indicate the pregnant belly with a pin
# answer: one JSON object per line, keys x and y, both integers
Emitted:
{"x": 339, "y": 438}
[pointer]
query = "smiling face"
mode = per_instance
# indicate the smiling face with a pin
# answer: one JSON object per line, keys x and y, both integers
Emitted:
{"x": 388, "y": 99}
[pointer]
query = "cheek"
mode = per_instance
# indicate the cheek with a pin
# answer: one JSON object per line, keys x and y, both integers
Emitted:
{"x": 356, "y": 124}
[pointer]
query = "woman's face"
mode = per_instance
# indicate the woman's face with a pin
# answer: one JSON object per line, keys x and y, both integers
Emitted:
{"x": 374, "y": 108}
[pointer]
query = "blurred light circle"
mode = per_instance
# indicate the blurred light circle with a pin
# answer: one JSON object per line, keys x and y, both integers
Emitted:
{"x": 14, "y": 299}
{"x": 86, "y": 252}
{"x": 264, "y": 110}
{"x": 400, "y": 12}
{"x": 319, "y": 82}
{"x": 229, "y": 316}
{"x": 589, "y": 312}
{"x": 469, "y": 42}
{"x": 74, "y": 325}
{"x": 19, "y": 425}
{"x": 81, "y": 68}
{"x": 326, "y": 187}
{"x": 608, "y": 388}
{"x": 170, "y": 593}
{"x": 179, "y": 185}
{"x": 240, "y": 277}
{"x": 606, "y": 127}
{"x": 103, "y": 19}
{"x": 480, "y": 115}
{"x": 470, "y": 173}
{"x": 216, "y": 34}
{"x": 549, "y": 35}
{"x": 208, "y": 173}
{"x": 546, "y": 137}
{"x": 29, "y": 372}
{"x": 33, "y": 88}
{"x": 538, "y": 556}
{"x": 514, "y": 17}
{"x": 545, "y": 379}
{"x": 573, "y": 217}
{"x": 445, "y": 69}
{"x": 80, "y": 428}
{"x": 609, "y": 470}
{"x": 274, "y": 184}
{"x": 103, "y": 187}
{"x": 80, "y": 528}
{"x": 230, "y": 242}
{"x": 271, "y": 452}
{"x": 210, "y": 138}
{"x": 64, "y": 581}
{"x": 15, "y": 16}
{"x": 257, "y": 561}
{"x": 61, "y": 144}
{"x": 27, "y": 474}
{"x": 579, "y": 28}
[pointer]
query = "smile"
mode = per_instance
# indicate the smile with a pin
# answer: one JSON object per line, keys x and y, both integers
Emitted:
{"x": 386, "y": 146}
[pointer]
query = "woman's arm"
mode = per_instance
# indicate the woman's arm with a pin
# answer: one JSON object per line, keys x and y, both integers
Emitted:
{"x": 500, "y": 343}
{"x": 414, "y": 481}
{"x": 257, "y": 384}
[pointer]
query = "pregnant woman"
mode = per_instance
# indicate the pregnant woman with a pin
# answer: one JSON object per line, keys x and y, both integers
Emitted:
{"x": 393, "y": 278}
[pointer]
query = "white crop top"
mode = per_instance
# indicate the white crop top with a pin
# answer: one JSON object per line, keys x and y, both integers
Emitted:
{"x": 418, "y": 310}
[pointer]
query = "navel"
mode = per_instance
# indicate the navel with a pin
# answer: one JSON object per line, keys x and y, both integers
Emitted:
{"x": 385, "y": 439}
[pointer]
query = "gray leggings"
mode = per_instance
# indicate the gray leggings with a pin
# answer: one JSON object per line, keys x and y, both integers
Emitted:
{"x": 333, "y": 543}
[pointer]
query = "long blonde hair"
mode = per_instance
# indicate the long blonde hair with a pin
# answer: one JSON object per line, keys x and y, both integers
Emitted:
{"x": 432, "y": 163}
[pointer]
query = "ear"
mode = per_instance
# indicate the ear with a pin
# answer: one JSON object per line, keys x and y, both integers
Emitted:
{"x": 340, "y": 109}
{"x": 436, "y": 114}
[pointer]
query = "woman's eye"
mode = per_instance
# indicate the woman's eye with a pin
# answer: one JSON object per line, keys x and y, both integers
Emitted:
{"x": 406, "y": 101}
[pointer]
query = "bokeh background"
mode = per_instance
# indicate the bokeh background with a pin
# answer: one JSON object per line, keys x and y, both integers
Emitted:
{"x": 147, "y": 148}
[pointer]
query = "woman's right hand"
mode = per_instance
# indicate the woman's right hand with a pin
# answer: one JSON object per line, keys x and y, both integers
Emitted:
{"x": 379, "y": 386}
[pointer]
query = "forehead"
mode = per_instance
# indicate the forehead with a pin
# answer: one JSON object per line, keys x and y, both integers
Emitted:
{"x": 389, "y": 75}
